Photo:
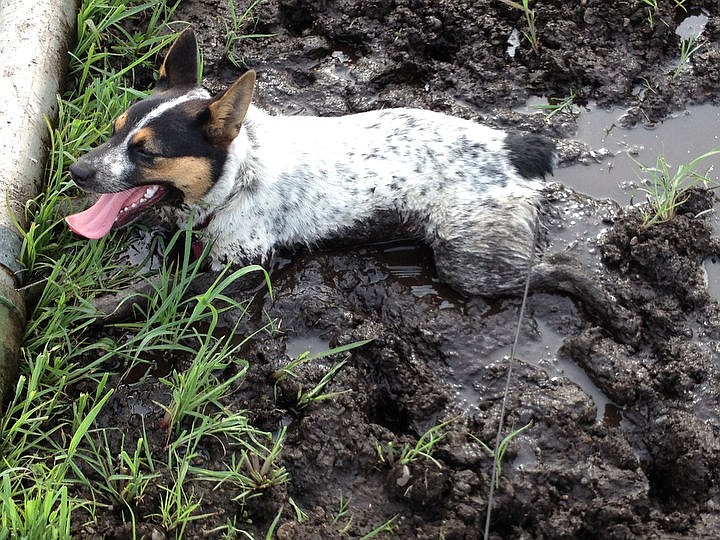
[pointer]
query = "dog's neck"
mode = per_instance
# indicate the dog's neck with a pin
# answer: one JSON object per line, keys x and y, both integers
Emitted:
{"x": 241, "y": 171}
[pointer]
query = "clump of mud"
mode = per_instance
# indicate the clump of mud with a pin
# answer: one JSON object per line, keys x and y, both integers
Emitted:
{"x": 667, "y": 257}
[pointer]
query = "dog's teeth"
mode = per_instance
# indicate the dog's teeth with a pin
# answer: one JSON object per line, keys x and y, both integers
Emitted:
{"x": 152, "y": 190}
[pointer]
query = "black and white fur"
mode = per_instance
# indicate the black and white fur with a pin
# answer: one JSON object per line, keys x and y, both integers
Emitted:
{"x": 260, "y": 182}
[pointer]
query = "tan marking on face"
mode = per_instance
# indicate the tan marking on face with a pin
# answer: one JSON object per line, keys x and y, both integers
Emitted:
{"x": 191, "y": 175}
{"x": 120, "y": 122}
{"x": 143, "y": 137}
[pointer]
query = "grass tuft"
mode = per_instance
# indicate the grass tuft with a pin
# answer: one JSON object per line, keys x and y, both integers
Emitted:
{"x": 531, "y": 34}
{"x": 423, "y": 448}
{"x": 234, "y": 32}
{"x": 555, "y": 106}
{"x": 315, "y": 394}
{"x": 688, "y": 47}
{"x": 502, "y": 447}
{"x": 667, "y": 191}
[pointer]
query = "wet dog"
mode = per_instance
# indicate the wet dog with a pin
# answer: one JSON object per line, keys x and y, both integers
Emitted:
{"x": 258, "y": 182}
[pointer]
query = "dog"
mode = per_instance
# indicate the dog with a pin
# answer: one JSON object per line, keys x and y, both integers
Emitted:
{"x": 257, "y": 182}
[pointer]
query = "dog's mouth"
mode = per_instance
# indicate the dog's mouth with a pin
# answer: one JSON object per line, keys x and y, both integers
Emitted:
{"x": 114, "y": 210}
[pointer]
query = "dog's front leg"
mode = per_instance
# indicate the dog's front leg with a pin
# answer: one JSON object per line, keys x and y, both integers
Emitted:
{"x": 239, "y": 239}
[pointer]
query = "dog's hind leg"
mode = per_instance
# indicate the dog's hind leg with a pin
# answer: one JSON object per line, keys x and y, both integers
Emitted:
{"x": 488, "y": 251}
{"x": 485, "y": 248}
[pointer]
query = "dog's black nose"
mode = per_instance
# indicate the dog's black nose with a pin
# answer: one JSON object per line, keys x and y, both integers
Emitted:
{"x": 81, "y": 173}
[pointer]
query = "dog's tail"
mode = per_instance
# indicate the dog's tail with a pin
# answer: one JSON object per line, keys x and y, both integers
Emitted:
{"x": 562, "y": 273}
{"x": 533, "y": 156}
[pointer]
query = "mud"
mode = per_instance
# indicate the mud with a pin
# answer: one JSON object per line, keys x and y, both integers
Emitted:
{"x": 624, "y": 436}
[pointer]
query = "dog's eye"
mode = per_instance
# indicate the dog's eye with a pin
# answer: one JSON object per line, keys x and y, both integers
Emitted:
{"x": 145, "y": 152}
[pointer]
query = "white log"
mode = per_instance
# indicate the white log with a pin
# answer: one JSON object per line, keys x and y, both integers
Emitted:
{"x": 34, "y": 39}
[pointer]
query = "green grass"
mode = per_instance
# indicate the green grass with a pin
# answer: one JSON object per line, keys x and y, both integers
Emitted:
{"x": 343, "y": 514}
{"x": 256, "y": 469}
{"x": 235, "y": 32}
{"x": 558, "y": 106}
{"x": 422, "y": 449}
{"x": 60, "y": 463}
{"x": 128, "y": 472}
{"x": 41, "y": 511}
{"x": 315, "y": 393}
{"x": 665, "y": 190}
{"x": 388, "y": 527}
{"x": 654, "y": 5}
{"x": 531, "y": 34}
{"x": 688, "y": 47}
{"x": 499, "y": 456}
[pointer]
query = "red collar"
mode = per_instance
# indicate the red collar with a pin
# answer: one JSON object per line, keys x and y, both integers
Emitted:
{"x": 197, "y": 246}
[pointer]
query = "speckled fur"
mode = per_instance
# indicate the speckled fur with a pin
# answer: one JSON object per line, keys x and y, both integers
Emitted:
{"x": 303, "y": 180}
{"x": 272, "y": 181}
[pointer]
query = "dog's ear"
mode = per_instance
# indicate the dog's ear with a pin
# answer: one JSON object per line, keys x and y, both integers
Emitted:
{"x": 224, "y": 117}
{"x": 180, "y": 66}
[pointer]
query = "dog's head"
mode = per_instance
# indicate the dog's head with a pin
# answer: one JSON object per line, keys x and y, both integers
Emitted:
{"x": 171, "y": 145}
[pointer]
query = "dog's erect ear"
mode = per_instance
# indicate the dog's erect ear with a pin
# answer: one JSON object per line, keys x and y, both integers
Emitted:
{"x": 225, "y": 115}
{"x": 180, "y": 66}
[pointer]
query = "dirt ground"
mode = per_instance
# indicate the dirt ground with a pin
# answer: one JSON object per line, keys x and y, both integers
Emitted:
{"x": 640, "y": 461}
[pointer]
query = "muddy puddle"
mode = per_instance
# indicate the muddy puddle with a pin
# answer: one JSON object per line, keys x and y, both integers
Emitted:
{"x": 712, "y": 267}
{"x": 409, "y": 265}
{"x": 616, "y": 173}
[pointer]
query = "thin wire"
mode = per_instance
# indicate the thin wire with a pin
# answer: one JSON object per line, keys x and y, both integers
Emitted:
{"x": 498, "y": 437}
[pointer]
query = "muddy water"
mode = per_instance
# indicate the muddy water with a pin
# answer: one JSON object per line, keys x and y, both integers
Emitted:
{"x": 540, "y": 351}
{"x": 410, "y": 264}
{"x": 680, "y": 139}
{"x": 405, "y": 261}
{"x": 298, "y": 345}
{"x": 712, "y": 267}
{"x": 618, "y": 177}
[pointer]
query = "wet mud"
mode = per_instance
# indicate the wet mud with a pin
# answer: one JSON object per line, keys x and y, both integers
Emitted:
{"x": 624, "y": 431}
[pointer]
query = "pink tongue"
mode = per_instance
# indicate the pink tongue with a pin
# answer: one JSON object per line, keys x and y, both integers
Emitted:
{"x": 96, "y": 221}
